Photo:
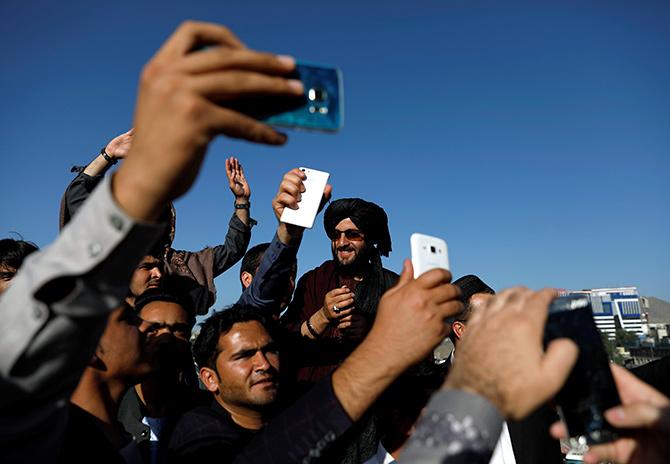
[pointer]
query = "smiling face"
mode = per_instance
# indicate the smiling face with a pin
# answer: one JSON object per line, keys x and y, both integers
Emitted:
{"x": 247, "y": 367}
{"x": 347, "y": 243}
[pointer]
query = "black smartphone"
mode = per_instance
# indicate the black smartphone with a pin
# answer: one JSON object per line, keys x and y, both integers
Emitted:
{"x": 590, "y": 389}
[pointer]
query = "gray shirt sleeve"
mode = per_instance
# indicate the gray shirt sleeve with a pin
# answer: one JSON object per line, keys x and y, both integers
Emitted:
{"x": 457, "y": 427}
{"x": 53, "y": 314}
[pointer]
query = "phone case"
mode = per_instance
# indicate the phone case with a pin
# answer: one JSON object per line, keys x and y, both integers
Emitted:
{"x": 308, "y": 207}
{"x": 322, "y": 107}
{"x": 428, "y": 253}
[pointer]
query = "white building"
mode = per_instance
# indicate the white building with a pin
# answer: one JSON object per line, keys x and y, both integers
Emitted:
{"x": 607, "y": 303}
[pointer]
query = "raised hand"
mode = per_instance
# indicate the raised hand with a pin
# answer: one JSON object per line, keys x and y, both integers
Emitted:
{"x": 236, "y": 181}
{"x": 288, "y": 196}
{"x": 119, "y": 146}
{"x": 410, "y": 316}
{"x": 337, "y": 303}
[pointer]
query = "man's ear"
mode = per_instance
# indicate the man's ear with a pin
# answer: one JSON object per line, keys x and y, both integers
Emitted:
{"x": 458, "y": 328}
{"x": 246, "y": 279}
{"x": 96, "y": 361}
{"x": 209, "y": 379}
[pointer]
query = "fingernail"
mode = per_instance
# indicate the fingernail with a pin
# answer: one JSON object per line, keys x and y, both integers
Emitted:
{"x": 615, "y": 414}
{"x": 296, "y": 85}
{"x": 286, "y": 60}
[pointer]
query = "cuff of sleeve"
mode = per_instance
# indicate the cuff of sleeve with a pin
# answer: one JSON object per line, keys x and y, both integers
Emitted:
{"x": 455, "y": 421}
{"x": 237, "y": 224}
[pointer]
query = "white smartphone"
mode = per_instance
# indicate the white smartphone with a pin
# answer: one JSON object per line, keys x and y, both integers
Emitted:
{"x": 428, "y": 253}
{"x": 304, "y": 216}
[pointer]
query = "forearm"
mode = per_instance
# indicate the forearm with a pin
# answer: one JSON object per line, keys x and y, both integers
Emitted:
{"x": 290, "y": 235}
{"x": 242, "y": 214}
{"x": 315, "y": 326}
{"x": 268, "y": 287}
{"x": 234, "y": 246}
{"x": 363, "y": 377}
{"x": 99, "y": 165}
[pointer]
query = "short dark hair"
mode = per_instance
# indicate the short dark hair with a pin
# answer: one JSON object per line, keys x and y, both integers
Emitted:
{"x": 13, "y": 252}
{"x": 469, "y": 285}
{"x": 170, "y": 296}
{"x": 205, "y": 345}
{"x": 252, "y": 258}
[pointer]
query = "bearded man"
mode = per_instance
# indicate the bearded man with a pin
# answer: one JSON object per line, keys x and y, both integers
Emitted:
{"x": 335, "y": 304}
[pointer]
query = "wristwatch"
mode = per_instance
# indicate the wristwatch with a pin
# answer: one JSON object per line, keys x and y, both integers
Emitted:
{"x": 109, "y": 159}
{"x": 246, "y": 205}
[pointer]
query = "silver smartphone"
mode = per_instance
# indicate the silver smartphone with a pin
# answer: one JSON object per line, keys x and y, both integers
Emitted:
{"x": 428, "y": 253}
{"x": 308, "y": 207}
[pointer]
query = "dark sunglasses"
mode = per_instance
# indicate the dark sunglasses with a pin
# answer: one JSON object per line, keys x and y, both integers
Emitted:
{"x": 350, "y": 234}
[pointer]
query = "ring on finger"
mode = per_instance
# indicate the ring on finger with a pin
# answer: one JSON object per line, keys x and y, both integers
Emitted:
{"x": 336, "y": 310}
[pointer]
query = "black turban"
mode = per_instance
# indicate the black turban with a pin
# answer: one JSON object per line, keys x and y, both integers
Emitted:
{"x": 370, "y": 219}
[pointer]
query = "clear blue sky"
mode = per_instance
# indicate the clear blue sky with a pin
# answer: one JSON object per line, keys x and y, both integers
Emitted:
{"x": 533, "y": 136}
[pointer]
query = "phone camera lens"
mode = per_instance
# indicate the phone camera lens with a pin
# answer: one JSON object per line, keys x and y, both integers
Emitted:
{"x": 317, "y": 95}
{"x": 432, "y": 249}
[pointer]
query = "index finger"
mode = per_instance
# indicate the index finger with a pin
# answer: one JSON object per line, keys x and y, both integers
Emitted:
{"x": 536, "y": 305}
{"x": 191, "y": 34}
{"x": 433, "y": 278}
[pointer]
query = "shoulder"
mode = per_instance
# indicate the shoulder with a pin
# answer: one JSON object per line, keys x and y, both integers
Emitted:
{"x": 390, "y": 277}
{"x": 203, "y": 423}
{"x": 207, "y": 431}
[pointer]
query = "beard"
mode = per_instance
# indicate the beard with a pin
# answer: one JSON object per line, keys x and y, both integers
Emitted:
{"x": 357, "y": 259}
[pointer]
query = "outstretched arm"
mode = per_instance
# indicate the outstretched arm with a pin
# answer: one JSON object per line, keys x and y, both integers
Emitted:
{"x": 268, "y": 287}
{"x": 86, "y": 181}
{"x": 55, "y": 309}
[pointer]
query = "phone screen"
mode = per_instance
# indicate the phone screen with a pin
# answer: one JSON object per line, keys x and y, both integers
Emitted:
{"x": 590, "y": 389}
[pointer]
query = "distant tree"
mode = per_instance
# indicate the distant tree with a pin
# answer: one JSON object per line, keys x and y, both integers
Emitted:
{"x": 624, "y": 338}
{"x": 610, "y": 348}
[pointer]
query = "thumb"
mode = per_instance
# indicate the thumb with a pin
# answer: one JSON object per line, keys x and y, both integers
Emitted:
{"x": 559, "y": 358}
{"x": 407, "y": 274}
{"x": 327, "y": 193}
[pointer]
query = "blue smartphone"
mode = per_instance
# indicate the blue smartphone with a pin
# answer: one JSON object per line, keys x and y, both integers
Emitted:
{"x": 322, "y": 106}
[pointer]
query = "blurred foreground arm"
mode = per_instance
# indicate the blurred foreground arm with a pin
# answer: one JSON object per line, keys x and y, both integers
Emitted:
{"x": 501, "y": 371}
{"x": 57, "y": 305}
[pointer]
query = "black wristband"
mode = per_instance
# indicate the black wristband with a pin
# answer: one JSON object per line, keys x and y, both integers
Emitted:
{"x": 109, "y": 159}
{"x": 246, "y": 205}
{"x": 312, "y": 330}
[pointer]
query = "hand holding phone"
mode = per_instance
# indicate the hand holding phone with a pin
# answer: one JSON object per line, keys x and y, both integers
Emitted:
{"x": 308, "y": 207}
{"x": 590, "y": 389}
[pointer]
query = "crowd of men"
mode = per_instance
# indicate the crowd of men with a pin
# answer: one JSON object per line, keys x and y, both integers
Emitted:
{"x": 97, "y": 361}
